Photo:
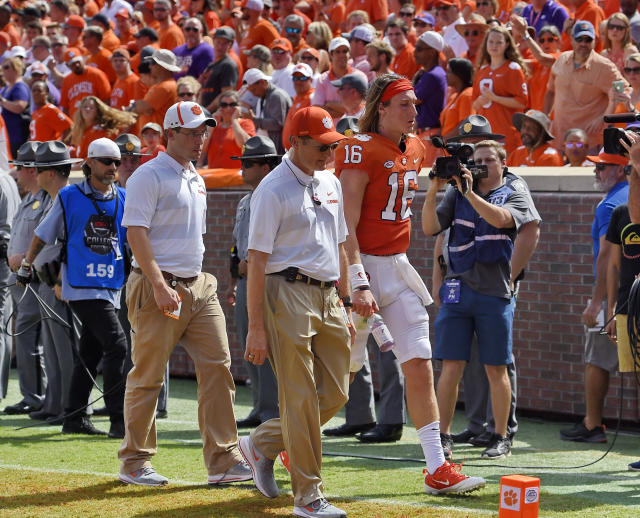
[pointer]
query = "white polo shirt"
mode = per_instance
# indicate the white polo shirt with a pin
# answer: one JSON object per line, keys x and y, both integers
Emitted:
{"x": 171, "y": 202}
{"x": 287, "y": 224}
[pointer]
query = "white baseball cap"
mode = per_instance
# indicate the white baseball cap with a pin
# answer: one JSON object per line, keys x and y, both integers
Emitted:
{"x": 304, "y": 69}
{"x": 253, "y": 5}
{"x": 253, "y": 75}
{"x": 186, "y": 115}
{"x": 338, "y": 42}
{"x": 18, "y": 51}
{"x": 432, "y": 39}
{"x": 103, "y": 148}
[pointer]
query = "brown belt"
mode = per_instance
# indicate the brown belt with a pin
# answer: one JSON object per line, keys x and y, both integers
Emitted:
{"x": 168, "y": 276}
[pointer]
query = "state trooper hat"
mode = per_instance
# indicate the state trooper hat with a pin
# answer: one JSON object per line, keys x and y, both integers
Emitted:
{"x": 52, "y": 153}
{"x": 27, "y": 154}
{"x": 258, "y": 147}
{"x": 129, "y": 144}
{"x": 348, "y": 126}
{"x": 475, "y": 126}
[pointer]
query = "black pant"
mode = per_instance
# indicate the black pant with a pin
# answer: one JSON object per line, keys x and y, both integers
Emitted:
{"x": 102, "y": 337}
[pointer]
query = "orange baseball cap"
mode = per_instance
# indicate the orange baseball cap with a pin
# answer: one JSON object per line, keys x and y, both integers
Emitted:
{"x": 281, "y": 43}
{"x": 447, "y": 3}
{"x": 608, "y": 158}
{"x": 123, "y": 13}
{"x": 315, "y": 122}
{"x": 74, "y": 21}
{"x": 310, "y": 50}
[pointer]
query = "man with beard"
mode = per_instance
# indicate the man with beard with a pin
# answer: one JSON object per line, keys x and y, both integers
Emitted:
{"x": 535, "y": 150}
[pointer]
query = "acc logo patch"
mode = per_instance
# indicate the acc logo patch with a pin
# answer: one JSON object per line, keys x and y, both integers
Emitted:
{"x": 388, "y": 164}
{"x": 129, "y": 146}
{"x": 467, "y": 127}
{"x": 362, "y": 137}
{"x": 327, "y": 122}
{"x": 196, "y": 110}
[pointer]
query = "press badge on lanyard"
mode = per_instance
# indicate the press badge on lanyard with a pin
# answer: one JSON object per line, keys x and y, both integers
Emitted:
{"x": 452, "y": 291}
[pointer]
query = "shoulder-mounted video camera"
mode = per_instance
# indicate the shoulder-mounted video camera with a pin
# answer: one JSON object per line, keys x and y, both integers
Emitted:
{"x": 447, "y": 167}
{"x": 612, "y": 136}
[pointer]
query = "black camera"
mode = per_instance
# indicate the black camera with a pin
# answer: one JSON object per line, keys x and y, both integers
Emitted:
{"x": 612, "y": 137}
{"x": 447, "y": 167}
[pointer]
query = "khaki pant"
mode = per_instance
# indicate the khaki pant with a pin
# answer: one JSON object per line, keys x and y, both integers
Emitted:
{"x": 309, "y": 352}
{"x": 201, "y": 331}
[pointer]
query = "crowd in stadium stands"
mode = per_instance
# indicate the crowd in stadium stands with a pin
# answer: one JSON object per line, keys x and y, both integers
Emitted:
{"x": 573, "y": 62}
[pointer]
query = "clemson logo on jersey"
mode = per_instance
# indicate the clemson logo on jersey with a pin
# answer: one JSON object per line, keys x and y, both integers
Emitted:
{"x": 362, "y": 137}
{"x": 327, "y": 122}
{"x": 196, "y": 110}
{"x": 389, "y": 164}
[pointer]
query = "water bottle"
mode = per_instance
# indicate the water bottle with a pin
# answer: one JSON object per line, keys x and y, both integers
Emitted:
{"x": 381, "y": 333}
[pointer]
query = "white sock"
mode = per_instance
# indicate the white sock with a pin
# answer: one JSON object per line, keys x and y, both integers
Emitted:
{"x": 431, "y": 446}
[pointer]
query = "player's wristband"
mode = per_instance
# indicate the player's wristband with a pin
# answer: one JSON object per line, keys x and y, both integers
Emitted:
{"x": 357, "y": 276}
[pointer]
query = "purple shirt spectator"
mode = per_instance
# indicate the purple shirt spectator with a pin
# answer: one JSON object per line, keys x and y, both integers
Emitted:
{"x": 431, "y": 89}
{"x": 196, "y": 58}
{"x": 551, "y": 14}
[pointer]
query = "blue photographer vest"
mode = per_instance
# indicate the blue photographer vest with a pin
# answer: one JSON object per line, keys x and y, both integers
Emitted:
{"x": 472, "y": 239}
{"x": 95, "y": 239}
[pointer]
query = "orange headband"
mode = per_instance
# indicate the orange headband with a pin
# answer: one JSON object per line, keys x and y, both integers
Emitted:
{"x": 396, "y": 87}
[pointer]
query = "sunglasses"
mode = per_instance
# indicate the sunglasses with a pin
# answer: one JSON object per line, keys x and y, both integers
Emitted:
{"x": 186, "y": 94}
{"x": 617, "y": 27}
{"x": 601, "y": 167}
{"x": 308, "y": 57}
{"x": 300, "y": 78}
{"x": 199, "y": 135}
{"x": 419, "y": 24}
{"x": 406, "y": 13}
{"x": 471, "y": 33}
{"x": 228, "y": 105}
{"x": 292, "y": 30}
{"x": 629, "y": 70}
{"x": 584, "y": 39}
{"x": 191, "y": 29}
{"x": 442, "y": 8}
{"x": 109, "y": 161}
{"x": 160, "y": 9}
{"x": 7, "y": 67}
{"x": 575, "y": 145}
{"x": 486, "y": 4}
{"x": 550, "y": 39}
{"x": 326, "y": 147}
{"x": 278, "y": 51}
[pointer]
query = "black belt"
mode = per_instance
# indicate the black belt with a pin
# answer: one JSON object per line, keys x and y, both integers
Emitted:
{"x": 168, "y": 276}
{"x": 292, "y": 275}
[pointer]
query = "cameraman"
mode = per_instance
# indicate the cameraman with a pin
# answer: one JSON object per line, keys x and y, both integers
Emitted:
{"x": 484, "y": 221}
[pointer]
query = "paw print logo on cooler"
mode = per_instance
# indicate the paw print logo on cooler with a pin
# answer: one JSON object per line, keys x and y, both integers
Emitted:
{"x": 510, "y": 498}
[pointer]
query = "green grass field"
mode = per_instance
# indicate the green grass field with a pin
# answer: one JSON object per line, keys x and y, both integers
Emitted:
{"x": 46, "y": 474}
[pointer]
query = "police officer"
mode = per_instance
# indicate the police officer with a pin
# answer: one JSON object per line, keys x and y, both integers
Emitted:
{"x": 87, "y": 217}
{"x": 29, "y": 351}
{"x": 259, "y": 157}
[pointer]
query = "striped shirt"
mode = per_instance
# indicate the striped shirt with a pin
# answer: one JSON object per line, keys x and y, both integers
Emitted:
{"x": 171, "y": 202}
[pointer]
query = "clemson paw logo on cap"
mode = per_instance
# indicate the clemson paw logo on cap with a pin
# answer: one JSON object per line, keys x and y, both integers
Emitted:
{"x": 467, "y": 127}
{"x": 129, "y": 146}
{"x": 196, "y": 110}
{"x": 327, "y": 122}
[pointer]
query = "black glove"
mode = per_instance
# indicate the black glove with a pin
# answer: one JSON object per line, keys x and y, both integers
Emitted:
{"x": 24, "y": 275}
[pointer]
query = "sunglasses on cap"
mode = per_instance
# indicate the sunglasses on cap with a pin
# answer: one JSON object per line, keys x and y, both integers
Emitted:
{"x": 109, "y": 161}
{"x": 474, "y": 32}
{"x": 575, "y": 145}
{"x": 228, "y": 105}
{"x": 292, "y": 30}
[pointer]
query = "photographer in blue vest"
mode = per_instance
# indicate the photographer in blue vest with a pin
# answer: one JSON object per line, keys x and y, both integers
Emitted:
{"x": 87, "y": 218}
{"x": 476, "y": 296}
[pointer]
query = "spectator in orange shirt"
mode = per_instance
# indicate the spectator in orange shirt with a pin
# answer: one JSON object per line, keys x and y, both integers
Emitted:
{"x": 7, "y": 25}
{"x": 293, "y": 30}
{"x": 207, "y": 10}
{"x": 58, "y": 11}
{"x": 407, "y": 13}
{"x": 460, "y": 103}
{"x": 109, "y": 39}
{"x": 98, "y": 56}
{"x": 500, "y": 87}
{"x": 125, "y": 27}
{"x": 332, "y": 13}
{"x": 423, "y": 22}
{"x": 380, "y": 57}
{"x": 404, "y": 64}
{"x": 124, "y": 89}
{"x": 48, "y": 122}
{"x": 229, "y": 135}
{"x": 585, "y": 10}
{"x": 616, "y": 40}
{"x": 72, "y": 28}
{"x": 319, "y": 37}
{"x": 302, "y": 82}
{"x": 163, "y": 94}
{"x": 535, "y": 150}
{"x": 93, "y": 120}
{"x": 152, "y": 140}
{"x": 377, "y": 11}
{"x": 473, "y": 33}
{"x": 145, "y": 37}
{"x": 487, "y": 8}
{"x": 169, "y": 34}
{"x": 259, "y": 31}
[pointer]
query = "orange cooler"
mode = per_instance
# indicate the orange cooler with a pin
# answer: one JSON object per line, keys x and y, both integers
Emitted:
{"x": 519, "y": 496}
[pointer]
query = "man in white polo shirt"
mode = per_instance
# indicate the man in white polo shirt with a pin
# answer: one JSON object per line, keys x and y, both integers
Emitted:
{"x": 296, "y": 235}
{"x": 170, "y": 299}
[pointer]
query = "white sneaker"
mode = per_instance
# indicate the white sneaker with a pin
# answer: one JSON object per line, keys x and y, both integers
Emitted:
{"x": 145, "y": 476}
{"x": 319, "y": 508}
{"x": 261, "y": 466}
{"x": 237, "y": 473}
